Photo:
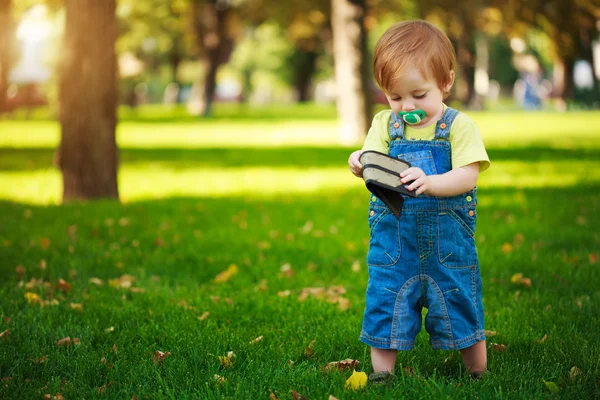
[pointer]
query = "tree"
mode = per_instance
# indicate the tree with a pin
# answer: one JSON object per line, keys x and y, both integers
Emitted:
{"x": 351, "y": 69}
{"x": 213, "y": 42}
{"x": 87, "y": 154}
{"x": 6, "y": 48}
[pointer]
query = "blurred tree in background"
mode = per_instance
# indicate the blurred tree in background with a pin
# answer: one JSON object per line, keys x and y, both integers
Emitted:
{"x": 87, "y": 155}
{"x": 269, "y": 51}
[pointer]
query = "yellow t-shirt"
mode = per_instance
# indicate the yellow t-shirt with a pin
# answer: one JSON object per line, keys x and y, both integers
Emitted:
{"x": 465, "y": 139}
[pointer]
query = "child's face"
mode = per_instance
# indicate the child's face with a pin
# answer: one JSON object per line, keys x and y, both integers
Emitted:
{"x": 414, "y": 92}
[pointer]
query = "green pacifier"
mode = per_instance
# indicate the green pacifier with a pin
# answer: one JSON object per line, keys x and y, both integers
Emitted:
{"x": 412, "y": 117}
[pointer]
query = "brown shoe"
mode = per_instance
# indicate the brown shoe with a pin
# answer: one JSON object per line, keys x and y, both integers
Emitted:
{"x": 380, "y": 378}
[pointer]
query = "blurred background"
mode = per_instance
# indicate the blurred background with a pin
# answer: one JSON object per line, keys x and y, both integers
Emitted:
{"x": 192, "y": 60}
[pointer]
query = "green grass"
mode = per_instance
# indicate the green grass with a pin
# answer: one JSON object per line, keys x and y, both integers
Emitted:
{"x": 202, "y": 195}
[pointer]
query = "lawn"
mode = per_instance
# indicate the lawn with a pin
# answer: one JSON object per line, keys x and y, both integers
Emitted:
{"x": 226, "y": 223}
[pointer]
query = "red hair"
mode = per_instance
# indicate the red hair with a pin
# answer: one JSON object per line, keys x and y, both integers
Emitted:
{"x": 413, "y": 43}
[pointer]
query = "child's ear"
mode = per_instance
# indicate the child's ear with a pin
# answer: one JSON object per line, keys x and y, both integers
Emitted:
{"x": 450, "y": 82}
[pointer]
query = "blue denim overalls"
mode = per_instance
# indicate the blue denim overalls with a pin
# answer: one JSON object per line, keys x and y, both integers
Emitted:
{"x": 427, "y": 258}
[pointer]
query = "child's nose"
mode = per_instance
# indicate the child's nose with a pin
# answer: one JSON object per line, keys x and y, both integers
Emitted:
{"x": 408, "y": 106}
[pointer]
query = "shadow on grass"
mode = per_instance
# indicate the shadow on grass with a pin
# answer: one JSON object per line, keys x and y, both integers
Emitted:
{"x": 15, "y": 159}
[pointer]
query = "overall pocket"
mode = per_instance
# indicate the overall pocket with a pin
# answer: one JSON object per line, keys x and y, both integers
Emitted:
{"x": 422, "y": 159}
{"x": 384, "y": 246}
{"x": 456, "y": 238}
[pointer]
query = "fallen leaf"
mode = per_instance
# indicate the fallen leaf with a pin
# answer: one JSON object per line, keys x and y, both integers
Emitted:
{"x": 57, "y": 396}
{"x": 357, "y": 381}
{"x": 109, "y": 330}
{"x": 298, "y": 396}
{"x": 227, "y": 361}
{"x": 551, "y": 387}
{"x": 574, "y": 373}
{"x": 355, "y": 266}
{"x": 5, "y": 334}
{"x": 499, "y": 348}
{"x": 332, "y": 397}
{"x": 41, "y": 360}
{"x": 490, "y": 333}
{"x": 262, "y": 286}
{"x": 343, "y": 365}
{"x": 20, "y": 270}
{"x": 593, "y": 258}
{"x": 286, "y": 270}
{"x": 543, "y": 339}
{"x": 284, "y": 293}
{"x": 124, "y": 282}
{"x": 42, "y": 265}
{"x": 159, "y": 357}
{"x": 44, "y": 243}
{"x": 507, "y": 248}
{"x": 307, "y": 227}
{"x": 258, "y": 339}
{"x": 203, "y": 316}
{"x": 68, "y": 342}
{"x": 409, "y": 371}
{"x": 520, "y": 279}
{"x": 309, "y": 349}
{"x": 32, "y": 298}
{"x": 227, "y": 274}
{"x": 96, "y": 281}
{"x": 272, "y": 396}
{"x": 77, "y": 306}
{"x": 219, "y": 379}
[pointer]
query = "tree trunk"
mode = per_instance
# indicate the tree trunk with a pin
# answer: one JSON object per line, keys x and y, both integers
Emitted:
{"x": 211, "y": 35}
{"x": 87, "y": 154}
{"x": 305, "y": 64}
{"x": 6, "y": 35}
{"x": 351, "y": 69}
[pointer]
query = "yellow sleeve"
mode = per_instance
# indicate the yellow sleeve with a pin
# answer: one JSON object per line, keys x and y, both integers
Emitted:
{"x": 378, "y": 138}
{"x": 467, "y": 145}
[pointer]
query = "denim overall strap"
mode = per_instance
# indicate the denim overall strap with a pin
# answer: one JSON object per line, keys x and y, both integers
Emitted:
{"x": 396, "y": 126}
{"x": 442, "y": 130}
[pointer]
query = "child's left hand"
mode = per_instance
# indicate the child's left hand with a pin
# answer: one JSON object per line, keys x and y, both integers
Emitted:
{"x": 419, "y": 181}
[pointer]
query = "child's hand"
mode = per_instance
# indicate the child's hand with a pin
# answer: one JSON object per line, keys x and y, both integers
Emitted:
{"x": 418, "y": 180}
{"x": 354, "y": 163}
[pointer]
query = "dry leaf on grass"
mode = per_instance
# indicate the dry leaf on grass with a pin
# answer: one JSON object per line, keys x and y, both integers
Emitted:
{"x": 227, "y": 274}
{"x": 159, "y": 357}
{"x": 5, "y": 334}
{"x": 309, "y": 349}
{"x": 41, "y": 360}
{"x": 204, "y": 315}
{"x": 227, "y": 361}
{"x": 543, "y": 339}
{"x": 298, "y": 396}
{"x": 258, "y": 339}
{"x": 499, "y": 348}
{"x": 68, "y": 342}
{"x": 343, "y": 365}
{"x": 96, "y": 281}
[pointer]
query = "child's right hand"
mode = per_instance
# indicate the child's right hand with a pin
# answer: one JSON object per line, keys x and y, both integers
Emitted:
{"x": 355, "y": 166}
